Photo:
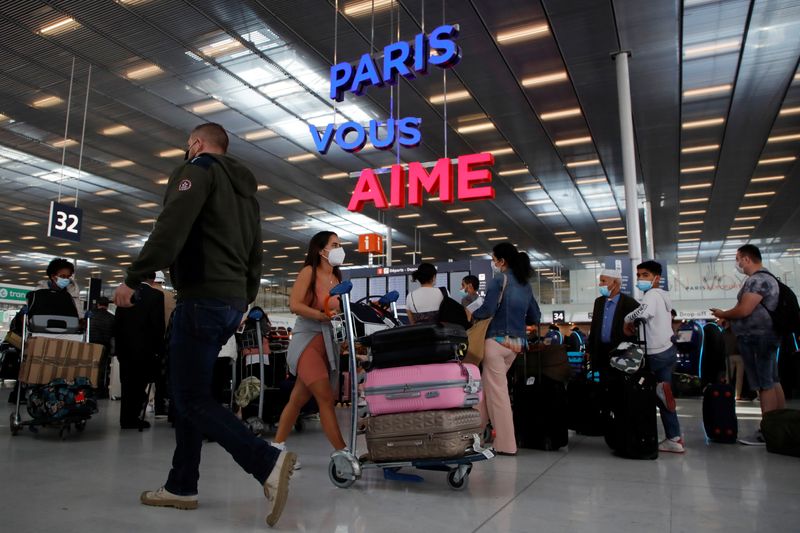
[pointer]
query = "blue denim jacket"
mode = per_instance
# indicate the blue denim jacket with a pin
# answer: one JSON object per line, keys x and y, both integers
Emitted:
{"x": 517, "y": 309}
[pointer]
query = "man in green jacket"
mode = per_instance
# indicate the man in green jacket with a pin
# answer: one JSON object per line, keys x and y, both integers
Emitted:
{"x": 209, "y": 234}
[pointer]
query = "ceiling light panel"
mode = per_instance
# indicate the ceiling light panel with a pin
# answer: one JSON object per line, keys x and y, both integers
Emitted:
{"x": 562, "y": 113}
{"x": 545, "y": 79}
{"x": 523, "y": 33}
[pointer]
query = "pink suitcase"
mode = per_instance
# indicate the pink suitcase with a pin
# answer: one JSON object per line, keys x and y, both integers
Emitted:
{"x": 409, "y": 389}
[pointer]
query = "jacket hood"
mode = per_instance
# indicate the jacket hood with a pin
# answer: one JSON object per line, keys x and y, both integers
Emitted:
{"x": 242, "y": 179}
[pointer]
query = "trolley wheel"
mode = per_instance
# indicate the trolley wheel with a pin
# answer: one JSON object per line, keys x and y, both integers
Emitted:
{"x": 80, "y": 425}
{"x": 15, "y": 426}
{"x": 300, "y": 425}
{"x": 457, "y": 480}
{"x": 336, "y": 479}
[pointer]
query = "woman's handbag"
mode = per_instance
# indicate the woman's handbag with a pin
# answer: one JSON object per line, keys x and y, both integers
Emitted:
{"x": 476, "y": 335}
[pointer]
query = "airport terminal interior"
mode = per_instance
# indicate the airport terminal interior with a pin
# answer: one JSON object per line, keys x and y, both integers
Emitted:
{"x": 592, "y": 135}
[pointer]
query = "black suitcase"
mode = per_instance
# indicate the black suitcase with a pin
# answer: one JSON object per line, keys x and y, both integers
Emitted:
{"x": 585, "y": 412}
{"x": 415, "y": 345}
{"x": 632, "y": 430}
{"x": 539, "y": 409}
{"x": 719, "y": 411}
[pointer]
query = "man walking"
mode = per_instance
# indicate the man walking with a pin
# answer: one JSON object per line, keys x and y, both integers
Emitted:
{"x": 210, "y": 233}
{"x": 758, "y": 341}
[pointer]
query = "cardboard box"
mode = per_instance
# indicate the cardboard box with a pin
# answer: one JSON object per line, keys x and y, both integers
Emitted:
{"x": 47, "y": 359}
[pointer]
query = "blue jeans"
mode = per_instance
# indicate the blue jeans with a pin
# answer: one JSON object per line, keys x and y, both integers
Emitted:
{"x": 760, "y": 356}
{"x": 201, "y": 326}
{"x": 662, "y": 364}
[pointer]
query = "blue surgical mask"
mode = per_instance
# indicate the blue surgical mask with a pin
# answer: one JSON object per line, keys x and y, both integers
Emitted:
{"x": 63, "y": 283}
{"x": 644, "y": 285}
{"x": 604, "y": 291}
{"x": 462, "y": 293}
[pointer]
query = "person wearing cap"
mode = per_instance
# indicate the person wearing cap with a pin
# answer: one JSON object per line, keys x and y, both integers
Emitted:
{"x": 608, "y": 320}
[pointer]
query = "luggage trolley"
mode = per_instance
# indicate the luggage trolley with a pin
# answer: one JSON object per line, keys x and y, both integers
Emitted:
{"x": 346, "y": 467}
{"x": 51, "y": 325}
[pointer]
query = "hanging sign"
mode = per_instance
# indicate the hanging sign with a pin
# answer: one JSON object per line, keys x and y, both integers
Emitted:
{"x": 370, "y": 243}
{"x": 450, "y": 180}
{"x": 65, "y": 222}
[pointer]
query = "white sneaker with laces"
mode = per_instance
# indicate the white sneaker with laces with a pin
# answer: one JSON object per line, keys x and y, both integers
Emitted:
{"x": 674, "y": 445}
{"x": 755, "y": 439}
{"x": 282, "y": 447}
{"x": 164, "y": 498}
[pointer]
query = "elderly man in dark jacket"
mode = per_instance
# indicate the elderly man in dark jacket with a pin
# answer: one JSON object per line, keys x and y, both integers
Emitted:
{"x": 610, "y": 309}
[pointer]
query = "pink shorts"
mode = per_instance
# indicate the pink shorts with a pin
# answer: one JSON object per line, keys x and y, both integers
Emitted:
{"x": 313, "y": 363}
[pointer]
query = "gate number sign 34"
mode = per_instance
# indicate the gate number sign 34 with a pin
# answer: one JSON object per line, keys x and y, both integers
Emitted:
{"x": 65, "y": 222}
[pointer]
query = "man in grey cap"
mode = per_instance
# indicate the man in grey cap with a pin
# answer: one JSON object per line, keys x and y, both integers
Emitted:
{"x": 608, "y": 320}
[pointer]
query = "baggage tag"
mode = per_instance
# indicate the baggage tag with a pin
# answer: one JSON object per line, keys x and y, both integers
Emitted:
{"x": 530, "y": 381}
{"x": 487, "y": 453}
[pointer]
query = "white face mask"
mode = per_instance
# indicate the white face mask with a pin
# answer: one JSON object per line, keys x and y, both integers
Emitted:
{"x": 739, "y": 268}
{"x": 335, "y": 257}
{"x": 496, "y": 269}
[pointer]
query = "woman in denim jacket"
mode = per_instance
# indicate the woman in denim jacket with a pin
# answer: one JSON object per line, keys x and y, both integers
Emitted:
{"x": 511, "y": 305}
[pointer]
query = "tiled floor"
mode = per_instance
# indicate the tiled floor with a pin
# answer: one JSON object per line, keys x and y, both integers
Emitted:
{"x": 91, "y": 482}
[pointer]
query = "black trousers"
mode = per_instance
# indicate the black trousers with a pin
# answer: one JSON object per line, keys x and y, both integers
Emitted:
{"x": 134, "y": 374}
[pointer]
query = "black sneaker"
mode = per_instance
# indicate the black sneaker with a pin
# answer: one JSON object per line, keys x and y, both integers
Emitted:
{"x": 143, "y": 424}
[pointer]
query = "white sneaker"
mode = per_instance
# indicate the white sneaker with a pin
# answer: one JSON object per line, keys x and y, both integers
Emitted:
{"x": 282, "y": 447}
{"x": 164, "y": 498}
{"x": 276, "y": 488}
{"x": 674, "y": 445}
{"x": 755, "y": 439}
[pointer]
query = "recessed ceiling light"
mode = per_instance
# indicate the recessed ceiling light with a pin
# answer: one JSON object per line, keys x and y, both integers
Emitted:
{"x": 208, "y": 106}
{"x": 582, "y": 254}
{"x": 690, "y": 231}
{"x": 63, "y": 143}
{"x": 573, "y": 141}
{"x": 548, "y": 214}
{"x": 316, "y": 213}
{"x": 579, "y": 247}
{"x": 454, "y": 96}
{"x": 616, "y": 237}
{"x": 472, "y": 221}
{"x": 525, "y": 188}
{"x": 702, "y": 123}
{"x": 468, "y": 248}
{"x": 280, "y": 256}
{"x": 790, "y": 110}
{"x": 691, "y": 186}
{"x": 222, "y": 47}
{"x": 365, "y": 7}
{"x": 545, "y": 79}
{"x": 147, "y": 221}
{"x": 617, "y": 228}
{"x": 703, "y": 50}
{"x": 486, "y": 230}
{"x": 705, "y": 91}
{"x": 612, "y": 219}
{"x": 106, "y": 192}
{"x": 302, "y": 226}
{"x": 589, "y": 181}
{"x": 513, "y": 172}
{"x": 564, "y": 233}
{"x": 442, "y": 234}
{"x": 695, "y": 212}
{"x": 563, "y": 113}
{"x": 457, "y": 210}
{"x": 147, "y": 205}
{"x": 300, "y": 157}
{"x": 335, "y": 176}
{"x": 753, "y": 207}
{"x": 767, "y": 179}
{"x": 456, "y": 242}
{"x": 289, "y": 201}
{"x": 692, "y": 170}
{"x": 618, "y": 244}
{"x": 258, "y": 135}
{"x": 743, "y": 236}
{"x": 583, "y": 163}
{"x": 522, "y": 33}
{"x": 424, "y": 226}
{"x": 500, "y": 151}
{"x": 472, "y": 128}
{"x": 143, "y": 72}
{"x": 699, "y": 148}
{"x": 409, "y": 215}
{"x": 272, "y": 219}
{"x": 66, "y": 24}
{"x": 742, "y": 228}
{"x": 569, "y": 241}
{"x": 498, "y": 238}
{"x": 30, "y": 223}
{"x": 172, "y": 152}
{"x": 775, "y": 160}
{"x": 543, "y": 201}
{"x": 759, "y": 194}
{"x": 784, "y": 138}
{"x": 16, "y": 208}
{"x": 691, "y": 222}
{"x": 694, "y": 200}
{"x": 116, "y": 130}
{"x": 122, "y": 163}
{"x": 690, "y": 239}
{"x": 99, "y": 228}
{"x": 745, "y": 219}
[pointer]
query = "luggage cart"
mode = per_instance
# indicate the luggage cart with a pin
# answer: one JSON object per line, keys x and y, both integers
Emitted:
{"x": 346, "y": 467}
{"x": 51, "y": 325}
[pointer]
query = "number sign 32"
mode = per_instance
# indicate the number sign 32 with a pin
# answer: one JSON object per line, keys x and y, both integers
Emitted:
{"x": 65, "y": 222}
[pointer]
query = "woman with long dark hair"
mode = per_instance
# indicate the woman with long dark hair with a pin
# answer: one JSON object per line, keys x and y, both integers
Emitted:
{"x": 313, "y": 353}
{"x": 511, "y": 305}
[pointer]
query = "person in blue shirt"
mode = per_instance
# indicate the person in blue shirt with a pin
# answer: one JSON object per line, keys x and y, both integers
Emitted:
{"x": 554, "y": 335}
{"x": 511, "y": 305}
{"x": 608, "y": 320}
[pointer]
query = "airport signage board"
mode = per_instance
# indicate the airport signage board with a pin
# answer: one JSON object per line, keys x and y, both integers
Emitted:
{"x": 10, "y": 294}
{"x": 65, "y": 222}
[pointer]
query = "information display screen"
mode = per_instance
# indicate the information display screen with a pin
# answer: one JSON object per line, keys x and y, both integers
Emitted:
{"x": 359, "y": 289}
{"x": 398, "y": 283}
{"x": 377, "y": 286}
{"x": 441, "y": 280}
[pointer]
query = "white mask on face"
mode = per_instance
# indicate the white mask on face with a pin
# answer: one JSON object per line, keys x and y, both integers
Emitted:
{"x": 335, "y": 257}
{"x": 739, "y": 268}
{"x": 496, "y": 269}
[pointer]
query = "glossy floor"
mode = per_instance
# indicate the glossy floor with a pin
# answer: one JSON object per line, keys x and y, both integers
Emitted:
{"x": 91, "y": 482}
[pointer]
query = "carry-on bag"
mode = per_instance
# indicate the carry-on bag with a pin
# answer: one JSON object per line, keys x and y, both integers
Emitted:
{"x": 422, "y": 388}
{"x": 539, "y": 406}
{"x": 415, "y": 345}
{"x": 434, "y": 434}
{"x": 781, "y": 430}
{"x": 585, "y": 413}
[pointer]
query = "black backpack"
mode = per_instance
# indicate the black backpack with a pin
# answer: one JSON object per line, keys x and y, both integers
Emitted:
{"x": 786, "y": 316}
{"x": 451, "y": 311}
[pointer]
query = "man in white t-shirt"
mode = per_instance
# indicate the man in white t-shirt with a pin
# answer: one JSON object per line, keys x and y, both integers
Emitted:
{"x": 655, "y": 312}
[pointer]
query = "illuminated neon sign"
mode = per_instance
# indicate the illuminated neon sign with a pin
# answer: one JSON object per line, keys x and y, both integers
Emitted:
{"x": 403, "y": 59}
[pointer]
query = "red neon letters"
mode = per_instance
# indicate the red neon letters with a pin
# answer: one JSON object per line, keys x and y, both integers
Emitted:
{"x": 440, "y": 179}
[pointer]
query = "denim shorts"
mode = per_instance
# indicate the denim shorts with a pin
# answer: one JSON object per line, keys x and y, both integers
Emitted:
{"x": 760, "y": 356}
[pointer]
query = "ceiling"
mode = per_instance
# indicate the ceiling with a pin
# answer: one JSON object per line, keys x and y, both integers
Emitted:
{"x": 715, "y": 100}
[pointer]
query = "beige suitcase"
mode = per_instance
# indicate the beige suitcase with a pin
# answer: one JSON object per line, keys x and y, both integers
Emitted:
{"x": 440, "y": 434}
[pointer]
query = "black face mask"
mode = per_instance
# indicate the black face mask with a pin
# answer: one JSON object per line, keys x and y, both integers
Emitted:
{"x": 186, "y": 155}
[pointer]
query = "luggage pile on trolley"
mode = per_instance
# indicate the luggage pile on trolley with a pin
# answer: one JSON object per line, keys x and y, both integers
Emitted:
{"x": 417, "y": 401}
{"x": 58, "y": 370}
